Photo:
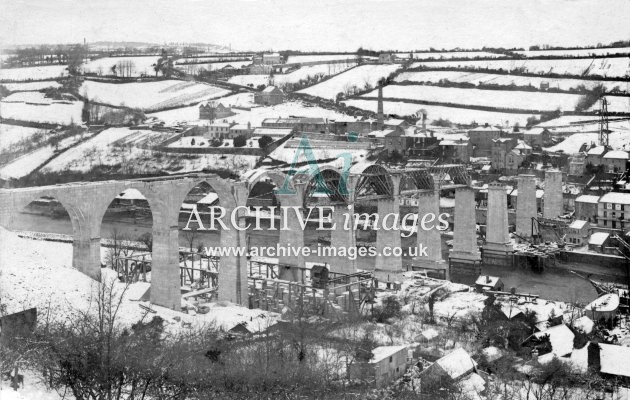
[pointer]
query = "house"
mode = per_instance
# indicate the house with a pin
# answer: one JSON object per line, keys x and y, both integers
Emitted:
{"x": 517, "y": 155}
{"x": 595, "y": 155}
{"x": 213, "y": 110}
{"x": 560, "y": 338}
{"x": 598, "y": 241}
{"x": 616, "y": 161}
{"x": 453, "y": 367}
{"x": 270, "y": 96}
{"x": 487, "y": 282}
{"x": 455, "y": 150}
{"x": 218, "y": 129}
{"x": 391, "y": 139}
{"x": 577, "y": 162}
{"x": 387, "y": 363}
{"x": 240, "y": 130}
{"x": 586, "y": 207}
{"x": 481, "y": 140}
{"x": 613, "y": 211}
{"x": 387, "y": 58}
{"x": 501, "y": 147}
{"x": 537, "y": 137}
{"x": 271, "y": 59}
{"x": 577, "y": 233}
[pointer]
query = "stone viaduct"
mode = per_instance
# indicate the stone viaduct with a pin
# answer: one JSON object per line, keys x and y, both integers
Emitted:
{"x": 87, "y": 202}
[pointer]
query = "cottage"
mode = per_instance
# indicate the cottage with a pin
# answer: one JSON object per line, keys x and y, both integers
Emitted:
{"x": 560, "y": 337}
{"x": 577, "y": 233}
{"x": 453, "y": 367}
{"x": 270, "y": 96}
{"x": 387, "y": 363}
{"x": 595, "y": 155}
{"x": 616, "y": 161}
{"x": 586, "y": 207}
{"x": 598, "y": 241}
{"x": 487, "y": 282}
{"x": 240, "y": 130}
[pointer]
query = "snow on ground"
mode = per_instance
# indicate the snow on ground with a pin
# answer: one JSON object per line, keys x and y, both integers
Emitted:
{"x": 247, "y": 80}
{"x": 490, "y": 98}
{"x": 14, "y": 87}
{"x": 11, "y": 134}
{"x": 88, "y": 152}
{"x": 576, "y": 52}
{"x": 150, "y": 95}
{"x": 608, "y": 67}
{"x": 34, "y": 107}
{"x": 310, "y": 71}
{"x": 499, "y": 79}
{"x": 33, "y": 73}
{"x": 453, "y": 114}
{"x": 40, "y": 274}
{"x": 191, "y": 113}
{"x": 359, "y": 77}
{"x": 213, "y": 66}
{"x": 210, "y": 59}
{"x": 103, "y": 66}
{"x": 200, "y": 141}
{"x": 291, "y": 108}
{"x": 619, "y": 140}
{"x": 445, "y": 55}
{"x": 619, "y": 104}
{"x": 25, "y": 164}
{"x": 319, "y": 57}
{"x": 288, "y": 150}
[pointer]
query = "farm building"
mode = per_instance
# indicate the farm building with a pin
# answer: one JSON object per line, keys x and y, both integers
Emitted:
{"x": 270, "y": 96}
{"x": 213, "y": 110}
{"x": 387, "y": 363}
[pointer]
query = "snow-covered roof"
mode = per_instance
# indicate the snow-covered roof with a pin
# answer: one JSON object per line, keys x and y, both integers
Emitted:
{"x": 584, "y": 324}
{"x": 269, "y": 89}
{"x": 598, "y": 238}
{"x": 487, "y": 280}
{"x": 587, "y": 198}
{"x": 596, "y": 151}
{"x": 272, "y": 131}
{"x": 615, "y": 197}
{"x": 209, "y": 198}
{"x": 394, "y": 122}
{"x": 617, "y": 155}
{"x": 492, "y": 353}
{"x": 382, "y": 352}
{"x": 485, "y": 129}
{"x": 510, "y": 310}
{"x": 523, "y": 146}
{"x": 383, "y": 133}
{"x": 614, "y": 359}
{"x": 561, "y": 338}
{"x": 456, "y": 364}
{"x": 578, "y": 224}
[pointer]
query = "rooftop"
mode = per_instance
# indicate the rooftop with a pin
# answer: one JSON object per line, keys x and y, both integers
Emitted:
{"x": 598, "y": 238}
{"x": 597, "y": 151}
{"x": 578, "y": 224}
{"x": 614, "y": 359}
{"x": 456, "y": 364}
{"x": 615, "y": 197}
{"x": 561, "y": 338}
{"x": 617, "y": 155}
{"x": 382, "y": 352}
{"x": 587, "y": 198}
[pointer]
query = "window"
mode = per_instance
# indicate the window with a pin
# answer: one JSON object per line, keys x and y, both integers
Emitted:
{"x": 391, "y": 358}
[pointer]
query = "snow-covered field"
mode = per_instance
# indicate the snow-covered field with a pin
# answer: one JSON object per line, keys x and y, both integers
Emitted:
{"x": 587, "y": 133}
{"x": 209, "y": 59}
{"x": 26, "y": 164}
{"x": 33, "y": 86}
{"x": 255, "y": 116}
{"x": 322, "y": 57}
{"x": 455, "y": 115}
{"x": 33, "y": 73}
{"x": 150, "y": 95}
{"x": 34, "y": 107}
{"x": 576, "y": 52}
{"x": 191, "y": 113}
{"x": 11, "y": 134}
{"x": 200, "y": 141}
{"x": 615, "y": 104}
{"x": 496, "y": 79}
{"x": 445, "y": 55}
{"x": 490, "y": 98}
{"x": 103, "y": 66}
{"x": 608, "y": 67}
{"x": 356, "y": 77}
{"x": 291, "y": 77}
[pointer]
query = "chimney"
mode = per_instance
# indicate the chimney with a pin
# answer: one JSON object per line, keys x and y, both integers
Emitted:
{"x": 424, "y": 122}
{"x": 379, "y": 111}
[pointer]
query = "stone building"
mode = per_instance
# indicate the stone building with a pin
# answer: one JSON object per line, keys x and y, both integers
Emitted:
{"x": 586, "y": 207}
{"x": 213, "y": 110}
{"x": 270, "y": 96}
{"x": 613, "y": 211}
{"x": 577, "y": 232}
{"x": 481, "y": 140}
{"x": 386, "y": 364}
{"x": 616, "y": 161}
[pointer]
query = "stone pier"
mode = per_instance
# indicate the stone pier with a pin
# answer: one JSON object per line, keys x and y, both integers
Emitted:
{"x": 497, "y": 234}
{"x": 553, "y": 207}
{"x": 342, "y": 238}
{"x": 497, "y": 249}
{"x": 291, "y": 238}
{"x": 465, "y": 258}
{"x": 429, "y": 239}
{"x": 389, "y": 268}
{"x": 526, "y": 207}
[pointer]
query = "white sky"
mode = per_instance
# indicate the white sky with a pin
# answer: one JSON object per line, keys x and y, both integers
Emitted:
{"x": 318, "y": 24}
